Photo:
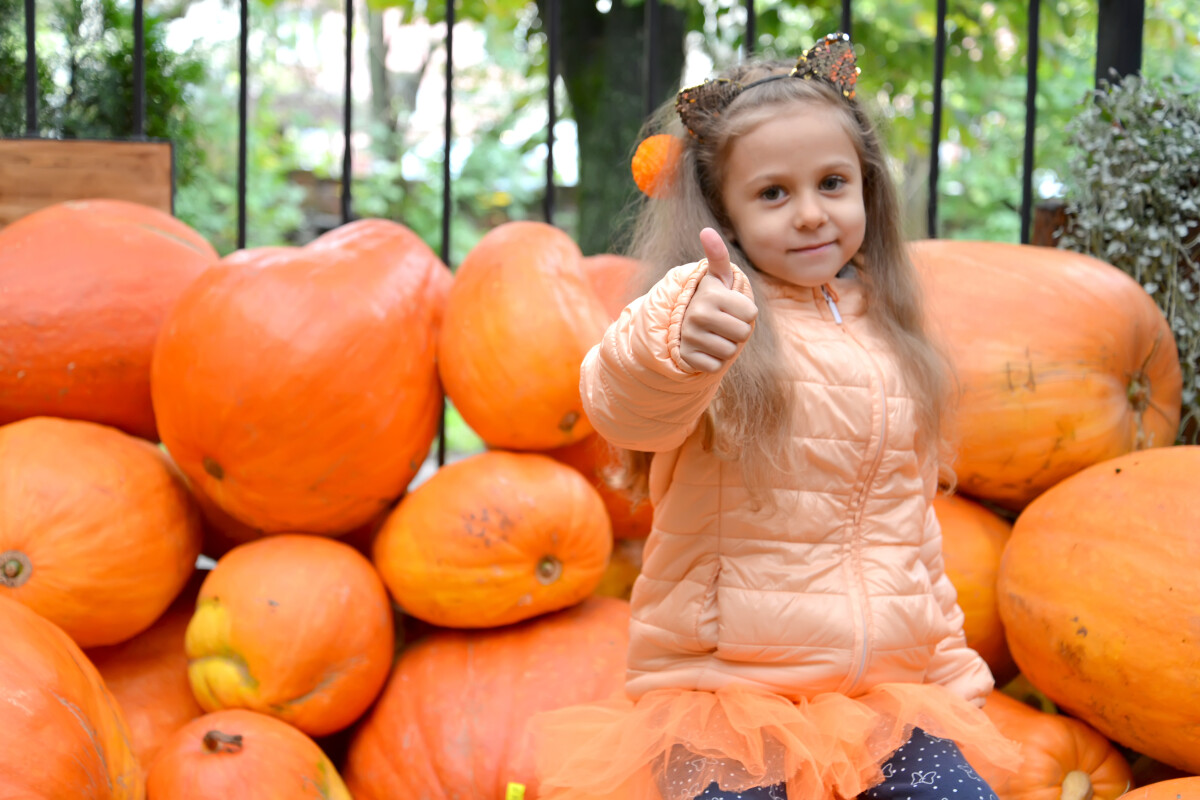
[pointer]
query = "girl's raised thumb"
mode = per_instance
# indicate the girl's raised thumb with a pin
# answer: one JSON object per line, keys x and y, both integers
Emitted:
{"x": 718, "y": 256}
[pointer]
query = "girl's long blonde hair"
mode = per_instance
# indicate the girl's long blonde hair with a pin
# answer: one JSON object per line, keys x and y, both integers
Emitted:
{"x": 750, "y": 419}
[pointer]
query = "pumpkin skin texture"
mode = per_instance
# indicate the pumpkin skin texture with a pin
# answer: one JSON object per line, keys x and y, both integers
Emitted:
{"x": 148, "y": 677}
{"x": 1053, "y": 746}
{"x": 1062, "y": 360}
{"x": 493, "y": 539}
{"x": 451, "y": 722}
{"x": 592, "y": 457}
{"x": 97, "y": 532}
{"x": 270, "y": 761}
{"x": 615, "y": 279}
{"x": 80, "y": 311}
{"x": 973, "y": 540}
{"x": 296, "y": 387}
{"x": 62, "y": 736}
{"x": 1185, "y": 788}
{"x": 1098, "y": 597}
{"x": 521, "y": 316}
{"x": 298, "y": 627}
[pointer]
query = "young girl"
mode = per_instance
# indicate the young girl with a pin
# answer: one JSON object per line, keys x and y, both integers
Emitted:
{"x": 793, "y": 631}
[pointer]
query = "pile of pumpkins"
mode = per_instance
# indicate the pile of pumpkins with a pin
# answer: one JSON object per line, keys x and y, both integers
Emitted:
{"x": 357, "y": 632}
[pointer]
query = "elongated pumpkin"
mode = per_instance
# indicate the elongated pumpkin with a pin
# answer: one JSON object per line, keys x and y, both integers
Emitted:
{"x": 296, "y": 387}
{"x": 1186, "y": 788}
{"x": 615, "y": 279}
{"x": 1062, "y": 360}
{"x": 521, "y": 315}
{"x": 86, "y": 287}
{"x": 593, "y": 458}
{"x": 1098, "y": 594}
{"x": 493, "y": 539}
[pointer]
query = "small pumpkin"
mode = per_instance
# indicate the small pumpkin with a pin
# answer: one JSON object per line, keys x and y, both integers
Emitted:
{"x": 87, "y": 285}
{"x": 98, "y": 532}
{"x": 520, "y": 317}
{"x": 240, "y": 753}
{"x": 1063, "y": 759}
{"x": 1062, "y": 360}
{"x": 296, "y": 387}
{"x": 1098, "y": 597}
{"x": 295, "y": 626}
{"x": 62, "y": 736}
{"x": 594, "y": 458}
{"x": 493, "y": 539}
{"x": 452, "y": 721}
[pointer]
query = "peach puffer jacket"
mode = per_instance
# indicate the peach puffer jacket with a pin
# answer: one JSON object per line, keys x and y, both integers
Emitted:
{"x": 843, "y": 587}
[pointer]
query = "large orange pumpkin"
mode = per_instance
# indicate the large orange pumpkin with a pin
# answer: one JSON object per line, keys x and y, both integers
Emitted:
{"x": 298, "y": 627}
{"x": 1185, "y": 788}
{"x": 62, "y": 736}
{"x": 148, "y": 676}
{"x": 86, "y": 286}
{"x": 1098, "y": 594}
{"x": 1063, "y": 361}
{"x": 1063, "y": 757}
{"x": 494, "y": 538}
{"x": 242, "y": 754}
{"x": 296, "y": 387}
{"x": 593, "y": 457}
{"x": 973, "y": 540}
{"x": 452, "y": 720}
{"x": 97, "y": 532}
{"x": 521, "y": 315}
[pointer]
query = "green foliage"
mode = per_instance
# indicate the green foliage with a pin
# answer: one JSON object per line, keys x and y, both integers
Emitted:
{"x": 1134, "y": 202}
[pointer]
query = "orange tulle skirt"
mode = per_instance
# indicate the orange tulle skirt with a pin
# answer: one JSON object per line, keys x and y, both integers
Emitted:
{"x": 671, "y": 744}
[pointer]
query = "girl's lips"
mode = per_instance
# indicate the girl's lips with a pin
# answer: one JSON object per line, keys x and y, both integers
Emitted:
{"x": 816, "y": 248}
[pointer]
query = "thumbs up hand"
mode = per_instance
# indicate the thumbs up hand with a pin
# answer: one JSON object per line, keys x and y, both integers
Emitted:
{"x": 718, "y": 319}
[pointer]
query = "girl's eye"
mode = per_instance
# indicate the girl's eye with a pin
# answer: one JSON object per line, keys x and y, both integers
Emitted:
{"x": 771, "y": 193}
{"x": 832, "y": 182}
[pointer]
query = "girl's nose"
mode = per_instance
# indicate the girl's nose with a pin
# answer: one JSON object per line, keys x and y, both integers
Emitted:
{"x": 810, "y": 213}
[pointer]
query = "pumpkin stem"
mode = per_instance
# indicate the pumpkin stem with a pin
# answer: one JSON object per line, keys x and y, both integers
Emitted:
{"x": 15, "y": 568}
{"x": 568, "y": 421}
{"x": 217, "y": 742}
{"x": 1077, "y": 785}
{"x": 549, "y": 569}
{"x": 213, "y": 468}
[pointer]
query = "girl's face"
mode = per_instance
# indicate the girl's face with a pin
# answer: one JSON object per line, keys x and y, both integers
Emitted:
{"x": 793, "y": 189}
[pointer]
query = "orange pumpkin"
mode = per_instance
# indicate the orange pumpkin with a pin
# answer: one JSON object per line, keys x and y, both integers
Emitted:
{"x": 148, "y": 676}
{"x": 973, "y": 540}
{"x": 1063, "y": 758}
{"x": 1098, "y": 597}
{"x": 87, "y": 285}
{"x": 593, "y": 458}
{"x": 615, "y": 279}
{"x": 1185, "y": 788}
{"x": 62, "y": 736}
{"x": 98, "y": 532}
{"x": 520, "y": 317}
{"x": 1063, "y": 361}
{"x": 452, "y": 720}
{"x": 493, "y": 539}
{"x": 239, "y": 753}
{"x": 295, "y": 626}
{"x": 296, "y": 387}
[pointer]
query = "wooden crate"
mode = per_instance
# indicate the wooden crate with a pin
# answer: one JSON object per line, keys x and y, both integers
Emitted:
{"x": 35, "y": 173}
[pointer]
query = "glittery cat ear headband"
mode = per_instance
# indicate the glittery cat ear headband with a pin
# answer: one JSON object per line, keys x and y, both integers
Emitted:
{"x": 831, "y": 59}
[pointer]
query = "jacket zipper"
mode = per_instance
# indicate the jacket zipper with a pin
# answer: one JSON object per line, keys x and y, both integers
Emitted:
{"x": 859, "y": 500}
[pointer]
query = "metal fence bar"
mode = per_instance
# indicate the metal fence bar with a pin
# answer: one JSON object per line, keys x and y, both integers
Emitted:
{"x": 243, "y": 94}
{"x": 347, "y": 118}
{"x": 447, "y": 196}
{"x": 935, "y": 140}
{"x": 751, "y": 28}
{"x": 139, "y": 70}
{"x": 553, "y": 10}
{"x": 31, "y": 76}
{"x": 1031, "y": 81}
{"x": 847, "y": 19}
{"x": 652, "y": 73}
{"x": 1119, "y": 28}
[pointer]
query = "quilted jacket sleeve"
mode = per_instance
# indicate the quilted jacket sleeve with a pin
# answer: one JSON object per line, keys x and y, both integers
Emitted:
{"x": 636, "y": 391}
{"x": 954, "y": 665}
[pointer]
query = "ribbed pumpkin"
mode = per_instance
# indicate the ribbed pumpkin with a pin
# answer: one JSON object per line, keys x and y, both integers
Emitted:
{"x": 521, "y": 315}
{"x": 296, "y": 387}
{"x": 1063, "y": 757}
{"x": 973, "y": 540}
{"x": 452, "y": 720}
{"x": 1186, "y": 788}
{"x": 62, "y": 736}
{"x": 242, "y": 754}
{"x": 148, "y": 677}
{"x": 593, "y": 458}
{"x": 615, "y": 279}
{"x": 1063, "y": 361}
{"x": 295, "y": 626}
{"x": 87, "y": 285}
{"x": 97, "y": 531}
{"x": 1098, "y": 594}
{"x": 493, "y": 539}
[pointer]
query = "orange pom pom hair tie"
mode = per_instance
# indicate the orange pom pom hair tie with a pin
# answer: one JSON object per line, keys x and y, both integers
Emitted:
{"x": 654, "y": 163}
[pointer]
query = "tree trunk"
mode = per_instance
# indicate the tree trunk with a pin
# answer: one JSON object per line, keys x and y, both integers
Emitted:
{"x": 604, "y": 71}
